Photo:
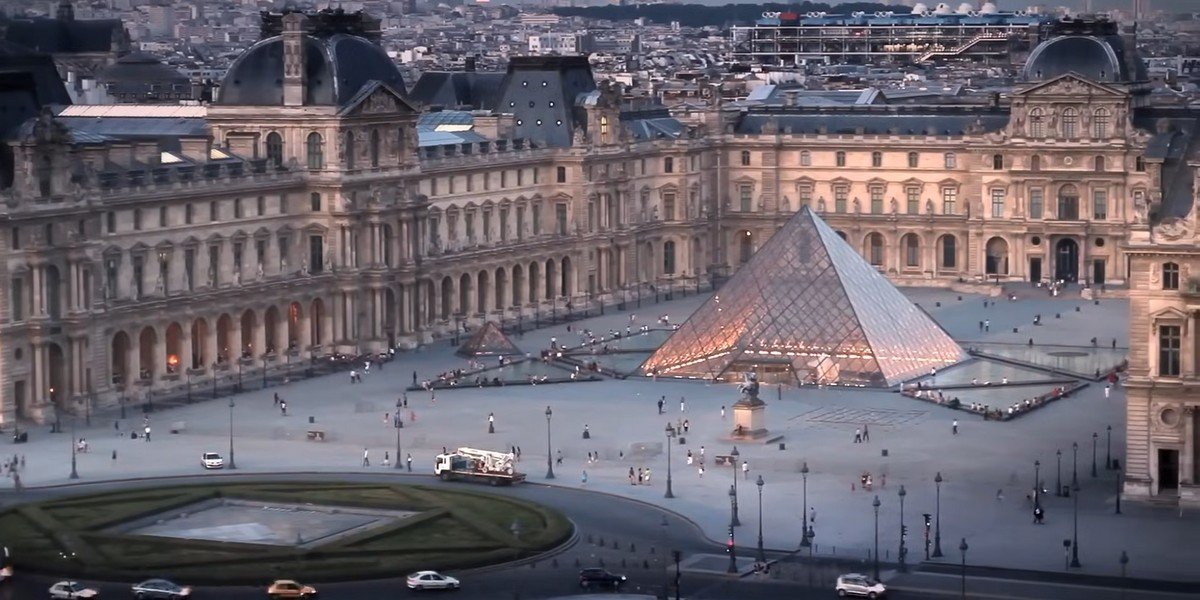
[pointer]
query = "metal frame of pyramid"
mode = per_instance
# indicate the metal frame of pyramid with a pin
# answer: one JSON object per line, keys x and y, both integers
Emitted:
{"x": 489, "y": 340}
{"x": 807, "y": 308}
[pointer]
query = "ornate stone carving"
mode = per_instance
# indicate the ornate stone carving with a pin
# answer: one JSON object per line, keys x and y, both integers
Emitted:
{"x": 1174, "y": 229}
{"x": 380, "y": 102}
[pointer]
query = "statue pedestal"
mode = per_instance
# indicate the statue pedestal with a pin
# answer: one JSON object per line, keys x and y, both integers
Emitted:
{"x": 749, "y": 419}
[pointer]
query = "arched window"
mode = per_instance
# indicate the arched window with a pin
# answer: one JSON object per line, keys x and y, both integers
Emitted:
{"x": 745, "y": 158}
{"x": 949, "y": 254}
{"x": 1170, "y": 276}
{"x": 1070, "y": 123}
{"x": 1100, "y": 121}
{"x": 875, "y": 249}
{"x": 375, "y": 148}
{"x": 315, "y": 151}
{"x": 350, "y": 150}
{"x": 1035, "y": 163}
{"x": 912, "y": 250}
{"x": 1037, "y": 123}
{"x": 275, "y": 149}
{"x": 669, "y": 257}
{"x": 1098, "y": 164}
{"x": 1068, "y": 203}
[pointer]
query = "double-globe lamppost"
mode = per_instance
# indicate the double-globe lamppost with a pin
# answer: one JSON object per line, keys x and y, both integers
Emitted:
{"x": 232, "y": 464}
{"x": 733, "y": 568}
{"x": 903, "y": 531}
{"x": 762, "y": 557}
{"x": 937, "y": 525}
{"x": 875, "y": 557}
{"x": 549, "y": 457}
{"x": 806, "y": 534}
{"x": 670, "y": 431}
{"x": 734, "y": 454}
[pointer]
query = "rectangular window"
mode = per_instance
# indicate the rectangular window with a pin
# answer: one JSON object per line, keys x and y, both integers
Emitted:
{"x": 537, "y": 219}
{"x": 15, "y": 238}
{"x": 561, "y": 174}
{"x": 1169, "y": 350}
{"x": 189, "y": 268}
{"x": 237, "y": 208}
{"x": 520, "y": 222}
{"x": 49, "y": 234}
{"x": 189, "y": 213}
{"x": 877, "y": 200}
{"x": 214, "y": 213}
{"x": 110, "y": 222}
{"x": 1037, "y": 203}
{"x": 503, "y": 179}
{"x": 949, "y": 201}
{"x": 806, "y": 195}
{"x": 110, "y": 278}
{"x": 450, "y": 183}
{"x": 214, "y": 265}
{"x": 913, "y": 160}
{"x": 840, "y": 193}
{"x": 536, "y": 172}
{"x": 668, "y": 199}
{"x": 745, "y": 196}
{"x": 840, "y": 158}
{"x": 876, "y": 159}
{"x": 560, "y": 219}
{"x": 520, "y": 177}
{"x": 237, "y": 257}
{"x": 137, "y": 219}
{"x": 139, "y": 276}
{"x": 314, "y": 202}
{"x": 951, "y": 160}
{"x": 260, "y": 253}
{"x": 283, "y": 204}
{"x": 591, "y": 216}
{"x": 18, "y": 299}
{"x": 504, "y": 223}
{"x": 1100, "y": 205}
{"x": 668, "y": 165}
{"x": 470, "y": 183}
{"x": 997, "y": 203}
{"x": 261, "y": 205}
{"x": 912, "y": 197}
{"x": 162, "y": 216}
{"x": 805, "y": 158}
{"x": 470, "y": 222}
{"x": 487, "y": 224}
{"x": 316, "y": 254}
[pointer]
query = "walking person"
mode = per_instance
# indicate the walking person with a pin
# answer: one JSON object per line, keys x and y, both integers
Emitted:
{"x": 387, "y": 459}
{"x": 631, "y": 475}
{"x": 745, "y": 469}
{"x": 283, "y": 407}
{"x": 857, "y": 436}
{"x": 987, "y": 325}
{"x": 409, "y": 461}
{"x": 366, "y": 458}
{"x": 954, "y": 427}
{"x": 660, "y": 405}
{"x": 147, "y": 433}
{"x": 682, "y": 405}
{"x": 639, "y": 476}
{"x": 866, "y": 434}
{"x": 1107, "y": 390}
{"x": 722, "y": 412}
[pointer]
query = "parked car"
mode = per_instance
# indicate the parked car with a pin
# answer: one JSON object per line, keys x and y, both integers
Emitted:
{"x": 6, "y": 569}
{"x": 286, "y": 588}
{"x": 160, "y": 589}
{"x": 212, "y": 460}
{"x": 854, "y": 584}
{"x": 71, "y": 590}
{"x": 596, "y": 577}
{"x": 431, "y": 580}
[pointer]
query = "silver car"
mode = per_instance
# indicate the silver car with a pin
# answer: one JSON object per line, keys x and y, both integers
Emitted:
{"x": 854, "y": 584}
{"x": 160, "y": 589}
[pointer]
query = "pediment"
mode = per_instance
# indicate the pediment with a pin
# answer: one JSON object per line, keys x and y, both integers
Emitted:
{"x": 378, "y": 99}
{"x": 1070, "y": 84}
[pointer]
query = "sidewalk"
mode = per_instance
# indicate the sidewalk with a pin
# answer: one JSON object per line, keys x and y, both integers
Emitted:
{"x": 626, "y": 431}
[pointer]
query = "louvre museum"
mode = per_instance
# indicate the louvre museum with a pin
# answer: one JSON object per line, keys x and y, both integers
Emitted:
{"x": 323, "y": 205}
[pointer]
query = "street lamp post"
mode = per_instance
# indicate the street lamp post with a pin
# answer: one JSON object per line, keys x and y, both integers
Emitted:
{"x": 903, "y": 532}
{"x": 733, "y": 490}
{"x": 670, "y": 436}
{"x": 232, "y": 463}
{"x": 397, "y": 425}
{"x": 805, "y": 542}
{"x": 1058, "y": 474}
{"x": 875, "y": 558}
{"x": 74, "y": 472}
{"x": 937, "y": 524}
{"x": 732, "y": 542}
{"x": 1074, "y": 464}
{"x": 1075, "y": 526}
{"x": 762, "y": 557}
{"x": 549, "y": 458}
{"x": 1108, "y": 448}
{"x": 1095, "y": 436}
{"x": 1037, "y": 486}
{"x": 962, "y": 547}
{"x": 1118, "y": 509}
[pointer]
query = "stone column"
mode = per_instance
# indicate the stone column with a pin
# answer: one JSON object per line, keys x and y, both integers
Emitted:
{"x": 185, "y": 347}
{"x": 326, "y": 324}
{"x": 38, "y": 282}
{"x": 304, "y": 339}
{"x": 160, "y": 353}
{"x": 259, "y": 336}
{"x": 380, "y": 308}
{"x": 211, "y": 347}
{"x": 135, "y": 358}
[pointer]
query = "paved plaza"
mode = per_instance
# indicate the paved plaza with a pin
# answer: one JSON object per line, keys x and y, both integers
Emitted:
{"x": 988, "y": 467}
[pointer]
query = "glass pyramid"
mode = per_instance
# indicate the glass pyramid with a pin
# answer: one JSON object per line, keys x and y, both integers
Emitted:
{"x": 489, "y": 340}
{"x": 807, "y": 308}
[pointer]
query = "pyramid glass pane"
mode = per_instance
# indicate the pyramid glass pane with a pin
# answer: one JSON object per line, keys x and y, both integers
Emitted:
{"x": 488, "y": 341}
{"x": 807, "y": 308}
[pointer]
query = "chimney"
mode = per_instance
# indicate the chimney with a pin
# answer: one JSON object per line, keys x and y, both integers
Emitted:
{"x": 195, "y": 148}
{"x": 293, "y": 59}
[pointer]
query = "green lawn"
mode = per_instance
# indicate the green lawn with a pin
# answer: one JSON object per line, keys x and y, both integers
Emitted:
{"x": 452, "y": 530}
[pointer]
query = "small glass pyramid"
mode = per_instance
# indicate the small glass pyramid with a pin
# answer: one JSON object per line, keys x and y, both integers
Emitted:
{"x": 489, "y": 340}
{"x": 807, "y": 308}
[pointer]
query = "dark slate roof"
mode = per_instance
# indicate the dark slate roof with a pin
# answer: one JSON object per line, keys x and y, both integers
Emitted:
{"x": 1098, "y": 58}
{"x": 1175, "y": 141}
{"x": 167, "y": 130}
{"x": 917, "y": 120}
{"x": 141, "y": 68}
{"x": 54, "y": 36}
{"x": 540, "y": 91}
{"x": 336, "y": 68}
{"x": 654, "y": 123}
{"x": 457, "y": 89}
{"x": 27, "y": 83}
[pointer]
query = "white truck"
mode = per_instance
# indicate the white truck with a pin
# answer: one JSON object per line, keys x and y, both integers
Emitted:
{"x": 495, "y": 468}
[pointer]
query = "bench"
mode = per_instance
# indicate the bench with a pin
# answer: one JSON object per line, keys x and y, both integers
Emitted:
{"x": 316, "y": 435}
{"x": 725, "y": 459}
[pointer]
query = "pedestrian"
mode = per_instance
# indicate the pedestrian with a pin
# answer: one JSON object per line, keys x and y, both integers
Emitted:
{"x": 276, "y": 398}
{"x": 117, "y": 427}
{"x": 518, "y": 453}
{"x": 987, "y": 325}
{"x": 114, "y": 455}
{"x": 722, "y": 412}
{"x": 866, "y": 434}
{"x": 701, "y": 454}
{"x": 385, "y": 418}
{"x": 999, "y": 495}
{"x": 558, "y": 457}
{"x": 981, "y": 326}
{"x": 414, "y": 379}
{"x": 812, "y": 514}
{"x": 584, "y": 478}
{"x": 647, "y": 475}
{"x": 660, "y": 405}
{"x": 689, "y": 458}
{"x": 701, "y": 471}
{"x": 686, "y": 425}
{"x": 353, "y": 376}
{"x": 631, "y": 475}
{"x": 147, "y": 433}
{"x": 857, "y": 436}
{"x": 954, "y": 427}
{"x": 682, "y": 405}
{"x": 409, "y": 461}
{"x": 1039, "y": 515}
{"x": 404, "y": 398}
{"x": 1107, "y": 390}
{"x": 639, "y": 476}
{"x": 387, "y": 459}
{"x": 283, "y": 407}
{"x": 745, "y": 469}
{"x": 366, "y": 458}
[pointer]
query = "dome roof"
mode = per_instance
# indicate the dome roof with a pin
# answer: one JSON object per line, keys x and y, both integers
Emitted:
{"x": 1098, "y": 58}
{"x": 140, "y": 67}
{"x": 336, "y": 68}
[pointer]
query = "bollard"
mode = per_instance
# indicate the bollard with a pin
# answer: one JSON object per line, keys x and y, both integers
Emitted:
{"x": 1096, "y": 302}
{"x": 937, "y": 304}
{"x": 601, "y": 542}
{"x": 554, "y": 563}
{"x": 632, "y": 548}
{"x": 616, "y": 546}
{"x": 1057, "y": 315}
{"x": 589, "y": 538}
{"x": 646, "y": 565}
{"x": 577, "y": 563}
{"x": 782, "y": 446}
{"x": 1014, "y": 330}
{"x": 883, "y": 452}
{"x": 622, "y": 562}
{"x": 312, "y": 419}
{"x": 960, "y": 298}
